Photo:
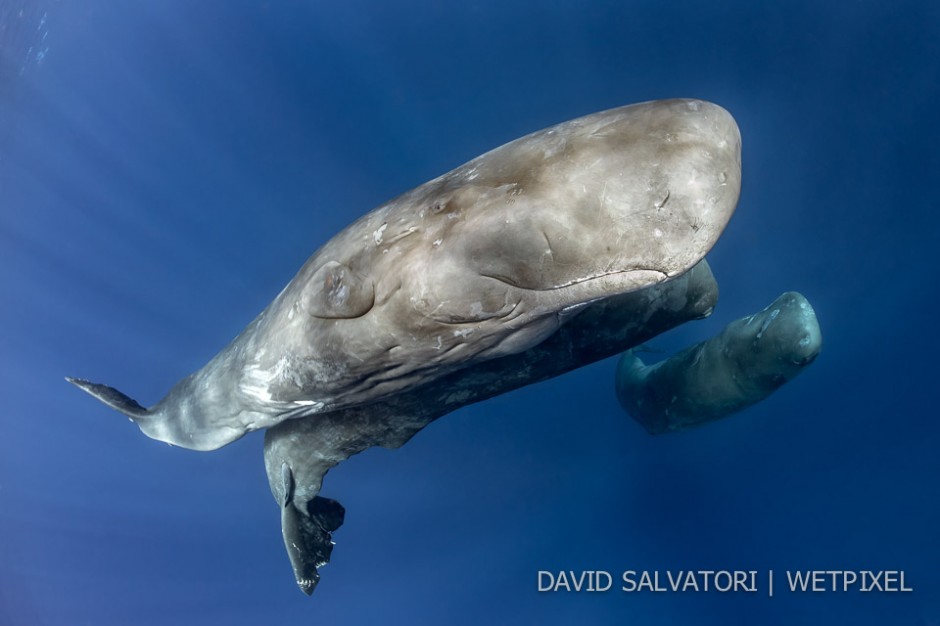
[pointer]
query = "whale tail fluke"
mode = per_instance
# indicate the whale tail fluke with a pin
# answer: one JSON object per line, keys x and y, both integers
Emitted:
{"x": 112, "y": 397}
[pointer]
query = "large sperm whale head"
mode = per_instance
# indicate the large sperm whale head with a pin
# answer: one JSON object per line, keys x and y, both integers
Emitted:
{"x": 485, "y": 261}
{"x": 489, "y": 259}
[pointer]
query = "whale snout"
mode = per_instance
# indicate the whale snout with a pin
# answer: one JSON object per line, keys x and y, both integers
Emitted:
{"x": 790, "y": 325}
{"x": 808, "y": 347}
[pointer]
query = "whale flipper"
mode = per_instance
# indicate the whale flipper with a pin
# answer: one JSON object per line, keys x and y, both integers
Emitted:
{"x": 112, "y": 397}
{"x": 308, "y": 537}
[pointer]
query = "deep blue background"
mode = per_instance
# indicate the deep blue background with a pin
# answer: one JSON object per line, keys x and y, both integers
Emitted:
{"x": 165, "y": 168}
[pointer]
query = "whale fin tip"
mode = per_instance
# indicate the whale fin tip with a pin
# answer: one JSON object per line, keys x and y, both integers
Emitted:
{"x": 111, "y": 396}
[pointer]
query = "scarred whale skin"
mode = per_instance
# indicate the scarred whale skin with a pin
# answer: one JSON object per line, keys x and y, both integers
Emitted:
{"x": 485, "y": 261}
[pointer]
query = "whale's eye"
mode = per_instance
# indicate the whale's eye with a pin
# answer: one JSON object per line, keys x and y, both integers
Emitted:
{"x": 338, "y": 293}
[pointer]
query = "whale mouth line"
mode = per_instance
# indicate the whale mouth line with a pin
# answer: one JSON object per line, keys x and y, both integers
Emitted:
{"x": 578, "y": 281}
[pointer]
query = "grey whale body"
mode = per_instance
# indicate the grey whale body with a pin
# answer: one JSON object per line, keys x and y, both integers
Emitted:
{"x": 563, "y": 247}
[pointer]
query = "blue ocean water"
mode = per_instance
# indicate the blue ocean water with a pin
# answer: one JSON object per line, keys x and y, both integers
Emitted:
{"x": 166, "y": 167}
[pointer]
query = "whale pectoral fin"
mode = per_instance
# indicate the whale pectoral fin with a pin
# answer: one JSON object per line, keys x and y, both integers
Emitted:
{"x": 308, "y": 537}
{"x": 287, "y": 485}
{"x": 112, "y": 397}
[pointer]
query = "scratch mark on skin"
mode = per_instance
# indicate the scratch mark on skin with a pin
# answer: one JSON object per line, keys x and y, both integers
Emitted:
{"x": 660, "y": 204}
{"x": 548, "y": 251}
